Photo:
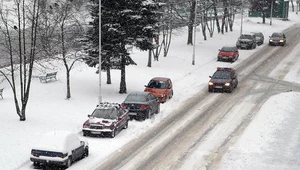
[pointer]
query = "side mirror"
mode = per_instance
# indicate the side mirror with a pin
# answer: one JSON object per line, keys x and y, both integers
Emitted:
{"x": 145, "y": 85}
{"x": 89, "y": 116}
{"x": 209, "y": 76}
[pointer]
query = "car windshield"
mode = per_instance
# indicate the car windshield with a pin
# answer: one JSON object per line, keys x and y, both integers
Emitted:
{"x": 136, "y": 98}
{"x": 157, "y": 84}
{"x": 108, "y": 113}
{"x": 228, "y": 49}
{"x": 221, "y": 75}
{"x": 277, "y": 35}
{"x": 246, "y": 36}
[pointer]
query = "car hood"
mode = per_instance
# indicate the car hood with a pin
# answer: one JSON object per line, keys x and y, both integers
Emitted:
{"x": 219, "y": 81}
{"x": 156, "y": 92}
{"x": 225, "y": 53}
{"x": 101, "y": 121}
{"x": 276, "y": 38}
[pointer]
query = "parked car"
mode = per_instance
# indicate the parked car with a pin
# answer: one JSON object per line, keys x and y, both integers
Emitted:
{"x": 107, "y": 118}
{"x": 247, "y": 41}
{"x": 141, "y": 105}
{"x": 228, "y": 54}
{"x": 160, "y": 87}
{"x": 59, "y": 148}
{"x": 259, "y": 37}
{"x": 277, "y": 39}
{"x": 224, "y": 79}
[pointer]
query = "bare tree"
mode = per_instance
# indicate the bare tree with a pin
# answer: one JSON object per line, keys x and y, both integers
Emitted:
{"x": 64, "y": 34}
{"x": 20, "y": 44}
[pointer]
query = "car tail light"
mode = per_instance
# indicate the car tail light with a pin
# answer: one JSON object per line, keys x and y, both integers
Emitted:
{"x": 34, "y": 154}
{"x": 63, "y": 155}
{"x": 143, "y": 106}
{"x": 123, "y": 105}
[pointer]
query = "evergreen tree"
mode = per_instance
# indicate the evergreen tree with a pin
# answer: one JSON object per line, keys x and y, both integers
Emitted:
{"x": 122, "y": 22}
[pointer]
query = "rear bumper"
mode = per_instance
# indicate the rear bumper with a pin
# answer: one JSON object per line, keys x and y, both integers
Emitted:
{"x": 45, "y": 161}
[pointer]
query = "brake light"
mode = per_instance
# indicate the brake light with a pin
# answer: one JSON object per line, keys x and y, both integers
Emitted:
{"x": 123, "y": 105}
{"x": 143, "y": 106}
{"x": 34, "y": 154}
{"x": 111, "y": 126}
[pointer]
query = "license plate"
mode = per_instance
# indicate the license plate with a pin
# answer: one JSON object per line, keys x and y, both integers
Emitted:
{"x": 244, "y": 45}
{"x": 225, "y": 58}
{"x": 132, "y": 113}
{"x": 218, "y": 87}
{"x": 97, "y": 133}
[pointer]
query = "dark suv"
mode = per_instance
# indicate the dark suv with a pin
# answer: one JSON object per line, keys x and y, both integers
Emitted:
{"x": 224, "y": 79}
{"x": 247, "y": 41}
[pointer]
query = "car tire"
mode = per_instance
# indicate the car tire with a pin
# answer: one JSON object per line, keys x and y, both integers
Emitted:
{"x": 158, "y": 109}
{"x": 113, "y": 133}
{"x": 210, "y": 90}
{"x": 86, "y": 152}
{"x": 85, "y": 133}
{"x": 69, "y": 162}
{"x": 170, "y": 97}
{"x": 36, "y": 164}
{"x": 126, "y": 125}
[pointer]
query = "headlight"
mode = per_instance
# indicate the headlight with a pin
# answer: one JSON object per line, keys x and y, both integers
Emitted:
{"x": 210, "y": 83}
{"x": 227, "y": 84}
{"x": 281, "y": 41}
{"x": 271, "y": 40}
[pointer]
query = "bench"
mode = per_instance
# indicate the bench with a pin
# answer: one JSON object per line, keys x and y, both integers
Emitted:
{"x": 48, "y": 77}
{"x": 1, "y": 91}
{"x": 129, "y": 48}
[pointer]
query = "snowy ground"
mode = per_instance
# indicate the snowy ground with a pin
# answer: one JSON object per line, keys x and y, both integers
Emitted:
{"x": 49, "y": 111}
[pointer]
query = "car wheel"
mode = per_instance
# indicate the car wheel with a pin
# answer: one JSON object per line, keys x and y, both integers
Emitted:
{"x": 69, "y": 162}
{"x": 36, "y": 164}
{"x": 210, "y": 90}
{"x": 86, "y": 152}
{"x": 113, "y": 133}
{"x": 158, "y": 109}
{"x": 170, "y": 97}
{"x": 148, "y": 114}
{"x": 85, "y": 133}
{"x": 126, "y": 125}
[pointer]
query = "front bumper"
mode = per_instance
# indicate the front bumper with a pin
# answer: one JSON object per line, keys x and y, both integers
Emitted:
{"x": 218, "y": 87}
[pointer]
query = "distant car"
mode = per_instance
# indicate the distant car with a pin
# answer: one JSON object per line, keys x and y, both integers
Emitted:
{"x": 141, "y": 105}
{"x": 107, "y": 118}
{"x": 228, "y": 54}
{"x": 277, "y": 39}
{"x": 247, "y": 41}
{"x": 59, "y": 148}
{"x": 224, "y": 79}
{"x": 160, "y": 87}
{"x": 259, "y": 37}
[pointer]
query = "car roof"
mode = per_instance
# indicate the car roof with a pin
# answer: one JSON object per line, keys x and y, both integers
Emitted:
{"x": 108, "y": 105}
{"x": 160, "y": 78}
{"x": 139, "y": 93}
{"x": 55, "y": 141}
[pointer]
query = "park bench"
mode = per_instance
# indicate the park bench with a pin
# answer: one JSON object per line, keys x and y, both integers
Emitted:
{"x": 48, "y": 77}
{"x": 1, "y": 91}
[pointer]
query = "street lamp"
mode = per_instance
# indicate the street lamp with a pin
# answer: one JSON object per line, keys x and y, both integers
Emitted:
{"x": 242, "y": 15}
{"x": 100, "y": 93}
{"x": 271, "y": 14}
{"x": 193, "y": 62}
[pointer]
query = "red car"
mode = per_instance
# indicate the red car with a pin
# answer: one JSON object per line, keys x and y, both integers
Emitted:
{"x": 107, "y": 118}
{"x": 160, "y": 87}
{"x": 228, "y": 54}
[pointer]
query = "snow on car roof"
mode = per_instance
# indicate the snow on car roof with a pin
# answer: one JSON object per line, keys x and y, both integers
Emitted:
{"x": 54, "y": 141}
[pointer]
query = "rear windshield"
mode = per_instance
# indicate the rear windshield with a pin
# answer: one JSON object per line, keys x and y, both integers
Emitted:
{"x": 246, "y": 36}
{"x": 108, "y": 113}
{"x": 228, "y": 49}
{"x": 136, "y": 98}
{"x": 157, "y": 84}
{"x": 221, "y": 75}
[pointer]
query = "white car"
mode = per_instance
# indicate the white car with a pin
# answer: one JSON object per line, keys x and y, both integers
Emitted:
{"x": 59, "y": 148}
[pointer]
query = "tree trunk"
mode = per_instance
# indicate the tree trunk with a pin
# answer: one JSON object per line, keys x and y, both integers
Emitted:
{"x": 263, "y": 17}
{"x": 149, "y": 58}
{"x": 68, "y": 84}
{"x": 216, "y": 16}
{"x": 123, "y": 78}
{"x": 191, "y": 24}
{"x": 108, "y": 79}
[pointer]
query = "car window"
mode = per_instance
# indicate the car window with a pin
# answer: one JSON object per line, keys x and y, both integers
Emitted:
{"x": 228, "y": 49}
{"x": 246, "y": 36}
{"x": 134, "y": 98}
{"x": 157, "y": 84}
{"x": 108, "y": 113}
{"x": 276, "y": 35}
{"x": 221, "y": 75}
